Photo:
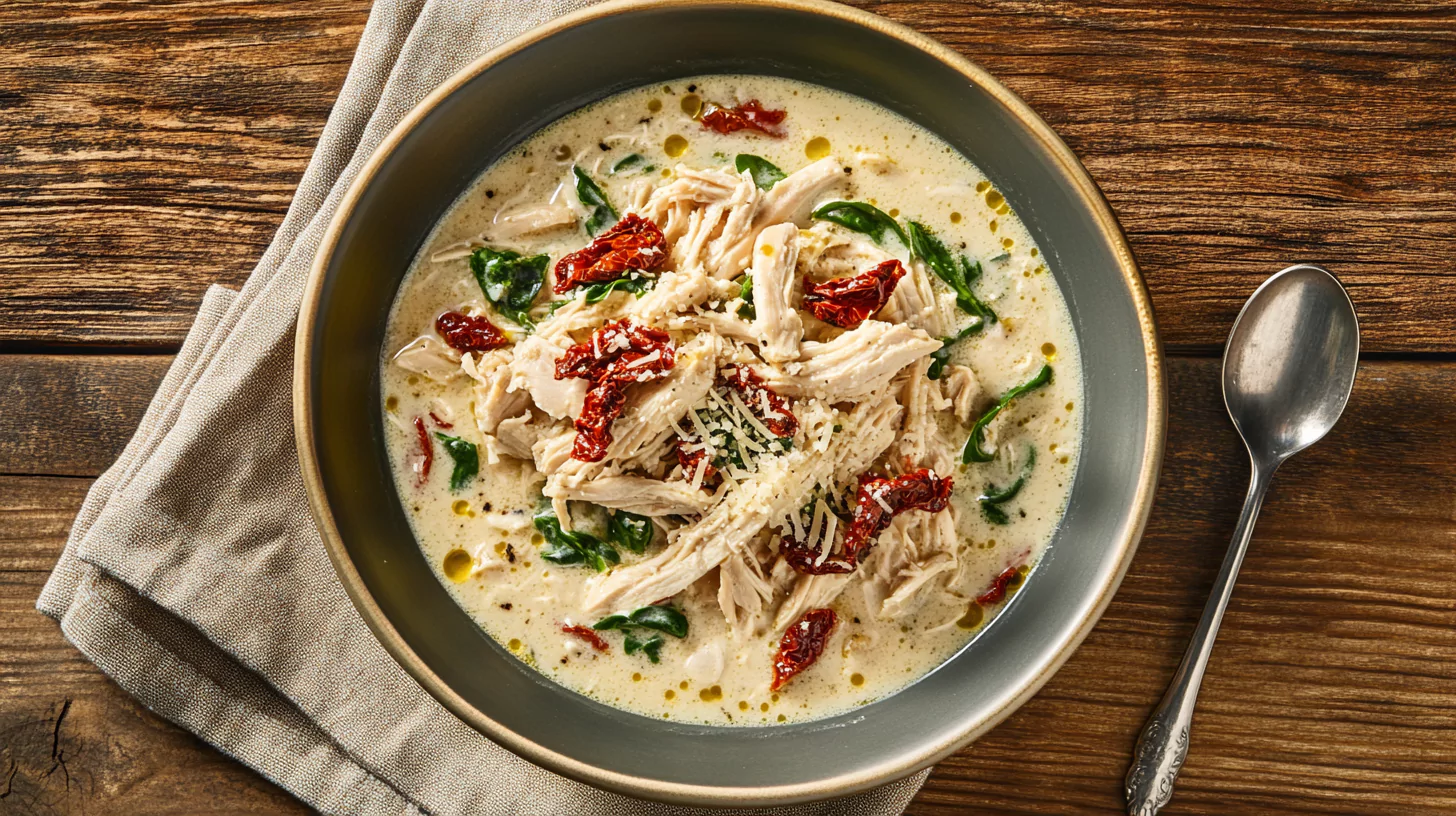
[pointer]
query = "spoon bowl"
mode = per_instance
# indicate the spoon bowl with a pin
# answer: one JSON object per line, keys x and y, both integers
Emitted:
{"x": 1290, "y": 362}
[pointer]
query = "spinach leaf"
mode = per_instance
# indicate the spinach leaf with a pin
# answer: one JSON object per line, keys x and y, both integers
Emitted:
{"x": 466, "y": 457}
{"x": 637, "y": 286}
{"x": 663, "y": 619}
{"x": 959, "y": 273}
{"x": 602, "y": 215}
{"x": 765, "y": 173}
{"x": 576, "y": 547}
{"x": 975, "y": 446}
{"x": 861, "y": 217}
{"x": 649, "y": 645}
{"x": 641, "y": 628}
{"x": 993, "y": 497}
{"x": 509, "y": 280}
{"x": 941, "y": 356}
{"x": 629, "y": 530}
{"x": 628, "y": 162}
{"x": 745, "y": 291}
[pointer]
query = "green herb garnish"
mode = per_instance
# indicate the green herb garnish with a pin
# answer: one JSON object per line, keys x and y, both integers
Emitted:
{"x": 637, "y": 286}
{"x": 975, "y": 451}
{"x": 863, "y": 218}
{"x": 941, "y": 356}
{"x": 959, "y": 273}
{"x": 628, "y": 162}
{"x": 765, "y": 173}
{"x": 745, "y": 291}
{"x": 653, "y": 619}
{"x": 466, "y": 457}
{"x": 629, "y": 530}
{"x": 509, "y": 280}
{"x": 603, "y": 214}
{"x": 993, "y": 497}
{"x": 576, "y": 547}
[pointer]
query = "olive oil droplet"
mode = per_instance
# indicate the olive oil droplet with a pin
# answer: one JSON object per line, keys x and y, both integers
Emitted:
{"x": 972, "y": 618}
{"x": 1049, "y": 351}
{"x": 692, "y": 105}
{"x": 457, "y": 565}
{"x": 675, "y": 146}
{"x": 817, "y": 148}
{"x": 856, "y": 679}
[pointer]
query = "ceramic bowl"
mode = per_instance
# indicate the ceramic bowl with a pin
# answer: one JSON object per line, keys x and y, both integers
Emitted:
{"x": 471, "y": 120}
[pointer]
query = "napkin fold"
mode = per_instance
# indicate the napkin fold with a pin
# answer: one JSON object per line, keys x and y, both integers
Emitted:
{"x": 194, "y": 575}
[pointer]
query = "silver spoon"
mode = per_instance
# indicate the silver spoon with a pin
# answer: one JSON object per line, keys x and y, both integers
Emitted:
{"x": 1288, "y": 368}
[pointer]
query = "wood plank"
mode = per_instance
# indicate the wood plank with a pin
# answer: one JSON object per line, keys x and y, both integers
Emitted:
{"x": 1329, "y": 690}
{"x": 72, "y": 415}
{"x": 150, "y": 150}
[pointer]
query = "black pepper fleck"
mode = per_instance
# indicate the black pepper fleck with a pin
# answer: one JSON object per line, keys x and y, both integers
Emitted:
{"x": 486, "y": 507}
{"x": 490, "y": 193}
{"x": 692, "y": 88}
{"x": 848, "y": 170}
{"x": 510, "y": 554}
{"x": 603, "y": 146}
{"x": 506, "y": 607}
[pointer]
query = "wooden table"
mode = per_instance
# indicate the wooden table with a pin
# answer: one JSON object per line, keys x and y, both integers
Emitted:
{"x": 149, "y": 149}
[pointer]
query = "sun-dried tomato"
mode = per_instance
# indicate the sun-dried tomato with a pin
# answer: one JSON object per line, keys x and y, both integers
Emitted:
{"x": 802, "y": 644}
{"x": 465, "y": 333}
{"x": 749, "y": 116}
{"x": 803, "y": 559}
{"x": 616, "y": 356}
{"x": 442, "y": 423}
{"x": 920, "y": 490}
{"x": 690, "y": 459}
{"x": 848, "y": 302}
{"x": 634, "y": 243}
{"x": 999, "y": 585}
{"x": 603, "y": 404}
{"x": 778, "y": 418}
{"x": 427, "y": 450}
{"x": 587, "y": 634}
{"x": 615, "y": 352}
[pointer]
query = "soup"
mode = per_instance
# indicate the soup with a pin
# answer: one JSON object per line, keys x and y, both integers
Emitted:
{"x": 736, "y": 400}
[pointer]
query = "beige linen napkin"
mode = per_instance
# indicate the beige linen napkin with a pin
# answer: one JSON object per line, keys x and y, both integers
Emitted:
{"x": 194, "y": 575}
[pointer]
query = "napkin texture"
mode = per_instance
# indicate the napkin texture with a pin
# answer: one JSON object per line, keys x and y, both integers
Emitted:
{"x": 194, "y": 575}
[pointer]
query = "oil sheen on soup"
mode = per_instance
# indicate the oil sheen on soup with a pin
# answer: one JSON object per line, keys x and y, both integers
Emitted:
{"x": 735, "y": 400}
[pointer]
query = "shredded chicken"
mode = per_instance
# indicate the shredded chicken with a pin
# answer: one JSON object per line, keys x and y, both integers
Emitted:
{"x": 855, "y": 363}
{"x": 519, "y": 222}
{"x": 430, "y": 358}
{"x": 861, "y": 403}
{"x": 776, "y": 292}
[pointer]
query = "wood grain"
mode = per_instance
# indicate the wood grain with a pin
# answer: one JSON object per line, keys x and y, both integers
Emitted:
{"x": 147, "y": 150}
{"x": 1329, "y": 692}
{"x": 71, "y": 415}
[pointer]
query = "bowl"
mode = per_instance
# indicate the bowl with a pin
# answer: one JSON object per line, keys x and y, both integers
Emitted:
{"x": 464, "y": 126}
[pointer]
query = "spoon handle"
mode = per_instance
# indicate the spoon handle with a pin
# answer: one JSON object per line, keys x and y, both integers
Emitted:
{"x": 1163, "y": 743}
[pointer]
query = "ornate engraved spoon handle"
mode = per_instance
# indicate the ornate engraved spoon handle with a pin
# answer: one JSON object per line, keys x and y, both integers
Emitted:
{"x": 1163, "y": 744}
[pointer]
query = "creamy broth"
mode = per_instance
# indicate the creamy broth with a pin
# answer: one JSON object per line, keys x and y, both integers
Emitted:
{"x": 480, "y": 538}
